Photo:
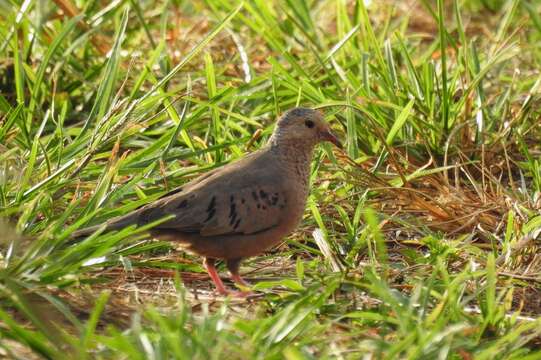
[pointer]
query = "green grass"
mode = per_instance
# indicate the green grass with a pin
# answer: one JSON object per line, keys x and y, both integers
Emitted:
{"x": 429, "y": 232}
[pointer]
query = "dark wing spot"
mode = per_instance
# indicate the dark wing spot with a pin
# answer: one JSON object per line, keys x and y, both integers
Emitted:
{"x": 258, "y": 206}
{"x": 242, "y": 201}
{"x": 211, "y": 215}
{"x": 236, "y": 225}
{"x": 233, "y": 218}
{"x": 274, "y": 200}
{"x": 211, "y": 209}
{"x": 182, "y": 204}
{"x": 212, "y": 204}
{"x": 264, "y": 207}
{"x": 263, "y": 194}
{"x": 232, "y": 214}
{"x": 254, "y": 194}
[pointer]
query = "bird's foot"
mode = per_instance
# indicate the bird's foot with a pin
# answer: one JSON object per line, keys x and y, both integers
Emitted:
{"x": 237, "y": 279}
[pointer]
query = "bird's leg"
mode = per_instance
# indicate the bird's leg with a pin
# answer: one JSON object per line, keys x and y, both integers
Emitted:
{"x": 233, "y": 266}
{"x": 211, "y": 269}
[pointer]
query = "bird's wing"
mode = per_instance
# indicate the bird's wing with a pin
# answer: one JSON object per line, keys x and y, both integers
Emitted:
{"x": 242, "y": 198}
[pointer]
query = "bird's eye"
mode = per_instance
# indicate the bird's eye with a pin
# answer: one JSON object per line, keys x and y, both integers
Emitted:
{"x": 309, "y": 124}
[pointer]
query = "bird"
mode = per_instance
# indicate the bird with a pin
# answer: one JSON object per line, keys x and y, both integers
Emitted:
{"x": 243, "y": 208}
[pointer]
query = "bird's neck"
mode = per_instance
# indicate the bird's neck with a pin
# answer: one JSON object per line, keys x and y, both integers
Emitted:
{"x": 281, "y": 143}
{"x": 295, "y": 156}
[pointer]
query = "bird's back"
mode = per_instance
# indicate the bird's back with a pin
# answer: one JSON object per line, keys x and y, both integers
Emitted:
{"x": 248, "y": 196}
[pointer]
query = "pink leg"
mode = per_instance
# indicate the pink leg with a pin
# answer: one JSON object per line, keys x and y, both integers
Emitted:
{"x": 233, "y": 266}
{"x": 211, "y": 269}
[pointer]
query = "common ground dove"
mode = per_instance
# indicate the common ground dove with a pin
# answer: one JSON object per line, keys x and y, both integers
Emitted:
{"x": 242, "y": 208}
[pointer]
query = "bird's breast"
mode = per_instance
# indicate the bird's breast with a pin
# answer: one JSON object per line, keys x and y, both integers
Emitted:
{"x": 295, "y": 207}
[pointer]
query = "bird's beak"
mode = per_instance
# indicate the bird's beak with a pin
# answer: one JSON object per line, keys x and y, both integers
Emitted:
{"x": 327, "y": 135}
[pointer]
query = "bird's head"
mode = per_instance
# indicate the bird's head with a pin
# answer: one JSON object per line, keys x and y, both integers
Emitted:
{"x": 303, "y": 126}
